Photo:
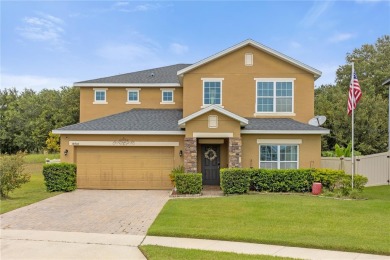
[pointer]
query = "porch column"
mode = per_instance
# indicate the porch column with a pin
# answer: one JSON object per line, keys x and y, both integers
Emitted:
{"x": 190, "y": 155}
{"x": 234, "y": 152}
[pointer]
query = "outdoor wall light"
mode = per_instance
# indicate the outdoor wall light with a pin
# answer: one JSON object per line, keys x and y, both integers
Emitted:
{"x": 66, "y": 152}
{"x": 181, "y": 153}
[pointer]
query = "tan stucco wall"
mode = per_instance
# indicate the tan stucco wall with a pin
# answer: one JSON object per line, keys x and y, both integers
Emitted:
{"x": 239, "y": 86}
{"x": 225, "y": 125}
{"x": 309, "y": 150}
{"x": 150, "y": 97}
{"x": 71, "y": 157}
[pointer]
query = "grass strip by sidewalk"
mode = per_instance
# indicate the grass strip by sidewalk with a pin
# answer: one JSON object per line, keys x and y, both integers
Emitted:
{"x": 290, "y": 220}
{"x": 171, "y": 253}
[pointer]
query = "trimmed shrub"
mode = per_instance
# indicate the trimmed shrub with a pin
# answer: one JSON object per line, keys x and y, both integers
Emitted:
{"x": 283, "y": 180}
{"x": 12, "y": 175}
{"x": 329, "y": 178}
{"x": 60, "y": 176}
{"x": 235, "y": 180}
{"x": 188, "y": 183}
{"x": 176, "y": 170}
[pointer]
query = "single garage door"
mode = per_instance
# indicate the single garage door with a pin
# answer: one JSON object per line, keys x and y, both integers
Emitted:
{"x": 124, "y": 167}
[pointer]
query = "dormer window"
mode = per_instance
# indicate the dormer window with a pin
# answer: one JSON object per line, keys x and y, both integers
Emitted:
{"x": 212, "y": 91}
{"x": 100, "y": 96}
{"x": 133, "y": 96}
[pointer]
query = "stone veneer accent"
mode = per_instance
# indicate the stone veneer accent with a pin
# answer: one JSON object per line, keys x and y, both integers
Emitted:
{"x": 190, "y": 155}
{"x": 235, "y": 152}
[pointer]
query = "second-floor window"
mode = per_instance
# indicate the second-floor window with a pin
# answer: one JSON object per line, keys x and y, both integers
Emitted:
{"x": 133, "y": 96}
{"x": 274, "y": 96}
{"x": 167, "y": 96}
{"x": 100, "y": 96}
{"x": 212, "y": 92}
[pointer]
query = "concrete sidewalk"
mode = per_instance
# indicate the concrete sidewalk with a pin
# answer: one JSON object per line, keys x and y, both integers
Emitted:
{"x": 258, "y": 249}
{"x": 33, "y": 244}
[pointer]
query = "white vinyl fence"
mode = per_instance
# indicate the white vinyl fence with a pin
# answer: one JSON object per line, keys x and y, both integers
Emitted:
{"x": 376, "y": 167}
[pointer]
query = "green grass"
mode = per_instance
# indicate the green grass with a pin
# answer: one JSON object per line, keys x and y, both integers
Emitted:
{"x": 291, "y": 220}
{"x": 40, "y": 158}
{"x": 170, "y": 253}
{"x": 29, "y": 193}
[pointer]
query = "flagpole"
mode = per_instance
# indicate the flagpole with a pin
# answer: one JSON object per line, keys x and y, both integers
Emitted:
{"x": 353, "y": 122}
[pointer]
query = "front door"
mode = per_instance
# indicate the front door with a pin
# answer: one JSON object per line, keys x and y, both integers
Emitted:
{"x": 210, "y": 164}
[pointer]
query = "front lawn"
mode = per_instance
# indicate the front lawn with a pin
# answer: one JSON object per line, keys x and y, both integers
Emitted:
{"x": 29, "y": 193}
{"x": 170, "y": 253}
{"x": 291, "y": 220}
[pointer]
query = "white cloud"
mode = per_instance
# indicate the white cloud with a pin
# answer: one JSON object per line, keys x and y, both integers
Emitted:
{"x": 126, "y": 52}
{"x": 340, "y": 37}
{"x": 37, "y": 83}
{"x": 178, "y": 49}
{"x": 295, "y": 45}
{"x": 315, "y": 12}
{"x": 43, "y": 28}
{"x": 126, "y": 7}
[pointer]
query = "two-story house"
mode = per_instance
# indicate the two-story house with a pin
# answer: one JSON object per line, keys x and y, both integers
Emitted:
{"x": 246, "y": 106}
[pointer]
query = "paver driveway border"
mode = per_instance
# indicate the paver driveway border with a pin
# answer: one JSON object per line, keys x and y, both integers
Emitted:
{"x": 91, "y": 211}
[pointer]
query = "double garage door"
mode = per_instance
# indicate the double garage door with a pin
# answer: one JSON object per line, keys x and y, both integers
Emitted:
{"x": 124, "y": 167}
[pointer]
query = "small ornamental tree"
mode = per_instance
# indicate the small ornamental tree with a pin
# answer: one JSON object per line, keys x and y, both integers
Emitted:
{"x": 11, "y": 173}
{"x": 53, "y": 143}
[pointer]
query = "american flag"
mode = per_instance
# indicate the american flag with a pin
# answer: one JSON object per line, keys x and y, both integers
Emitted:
{"x": 355, "y": 93}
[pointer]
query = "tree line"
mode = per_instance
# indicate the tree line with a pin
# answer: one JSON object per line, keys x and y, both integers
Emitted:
{"x": 372, "y": 66}
{"x": 27, "y": 117}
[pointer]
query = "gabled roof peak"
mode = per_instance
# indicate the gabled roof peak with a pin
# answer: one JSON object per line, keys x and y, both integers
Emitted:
{"x": 255, "y": 44}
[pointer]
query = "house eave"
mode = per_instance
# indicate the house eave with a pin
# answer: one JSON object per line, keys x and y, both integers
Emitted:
{"x": 102, "y": 132}
{"x": 151, "y": 85}
{"x": 287, "y": 132}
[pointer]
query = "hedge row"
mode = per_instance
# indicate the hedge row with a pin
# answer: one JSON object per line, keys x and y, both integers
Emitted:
{"x": 60, "y": 176}
{"x": 188, "y": 183}
{"x": 238, "y": 180}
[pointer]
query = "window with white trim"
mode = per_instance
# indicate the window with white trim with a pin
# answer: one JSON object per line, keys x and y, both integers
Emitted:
{"x": 212, "y": 92}
{"x": 279, "y": 156}
{"x": 276, "y": 96}
{"x": 100, "y": 96}
{"x": 133, "y": 96}
{"x": 167, "y": 96}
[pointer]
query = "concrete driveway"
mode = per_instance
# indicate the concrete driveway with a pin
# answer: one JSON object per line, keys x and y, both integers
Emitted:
{"x": 91, "y": 211}
{"x": 87, "y": 224}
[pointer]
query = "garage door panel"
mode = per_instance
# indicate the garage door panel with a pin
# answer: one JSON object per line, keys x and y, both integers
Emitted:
{"x": 124, "y": 167}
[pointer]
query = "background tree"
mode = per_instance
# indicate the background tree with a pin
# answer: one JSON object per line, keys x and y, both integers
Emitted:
{"x": 28, "y": 117}
{"x": 372, "y": 66}
{"x": 53, "y": 143}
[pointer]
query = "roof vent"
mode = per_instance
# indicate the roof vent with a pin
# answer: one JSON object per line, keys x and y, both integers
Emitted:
{"x": 152, "y": 74}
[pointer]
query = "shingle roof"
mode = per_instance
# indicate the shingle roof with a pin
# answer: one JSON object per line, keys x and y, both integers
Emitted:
{"x": 279, "y": 124}
{"x": 133, "y": 120}
{"x": 166, "y": 74}
{"x": 161, "y": 120}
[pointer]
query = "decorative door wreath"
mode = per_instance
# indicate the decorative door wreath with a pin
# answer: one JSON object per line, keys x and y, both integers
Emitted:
{"x": 210, "y": 154}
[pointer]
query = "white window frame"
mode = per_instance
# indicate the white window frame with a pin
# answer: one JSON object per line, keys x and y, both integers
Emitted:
{"x": 275, "y": 80}
{"x": 100, "y": 102}
{"x": 204, "y": 80}
{"x": 278, "y": 144}
{"x": 133, "y": 102}
{"x": 171, "y": 90}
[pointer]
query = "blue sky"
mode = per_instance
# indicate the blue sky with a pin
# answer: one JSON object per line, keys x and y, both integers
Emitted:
{"x": 49, "y": 44}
